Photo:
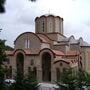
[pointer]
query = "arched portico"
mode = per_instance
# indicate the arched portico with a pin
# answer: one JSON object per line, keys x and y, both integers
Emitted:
{"x": 46, "y": 67}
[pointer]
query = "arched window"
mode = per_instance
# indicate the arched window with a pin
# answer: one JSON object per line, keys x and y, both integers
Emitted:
{"x": 43, "y": 26}
{"x": 50, "y": 24}
{"x": 27, "y": 43}
{"x": 46, "y": 66}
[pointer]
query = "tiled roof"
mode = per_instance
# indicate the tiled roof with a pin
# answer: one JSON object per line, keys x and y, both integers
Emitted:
{"x": 41, "y": 37}
{"x": 68, "y": 61}
{"x": 27, "y": 52}
{"x": 57, "y": 52}
{"x": 72, "y": 53}
{"x": 48, "y": 15}
{"x": 61, "y": 59}
{"x": 44, "y": 38}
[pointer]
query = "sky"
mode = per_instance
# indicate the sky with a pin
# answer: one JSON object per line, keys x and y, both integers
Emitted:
{"x": 20, "y": 15}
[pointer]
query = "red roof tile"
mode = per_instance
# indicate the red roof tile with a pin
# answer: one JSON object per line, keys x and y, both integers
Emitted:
{"x": 44, "y": 38}
{"x": 72, "y": 53}
{"x": 27, "y": 52}
{"x": 58, "y": 52}
{"x": 68, "y": 61}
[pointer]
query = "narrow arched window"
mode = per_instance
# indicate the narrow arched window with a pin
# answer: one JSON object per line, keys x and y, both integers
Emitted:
{"x": 43, "y": 26}
{"x": 27, "y": 43}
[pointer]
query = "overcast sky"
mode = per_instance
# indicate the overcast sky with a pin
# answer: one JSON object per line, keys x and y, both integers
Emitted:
{"x": 20, "y": 15}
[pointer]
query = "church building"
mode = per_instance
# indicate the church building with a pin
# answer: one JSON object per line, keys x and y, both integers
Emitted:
{"x": 47, "y": 52}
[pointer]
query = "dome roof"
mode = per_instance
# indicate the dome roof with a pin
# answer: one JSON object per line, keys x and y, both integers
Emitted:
{"x": 49, "y": 15}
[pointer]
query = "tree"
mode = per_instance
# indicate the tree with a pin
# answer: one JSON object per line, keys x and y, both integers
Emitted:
{"x": 68, "y": 79}
{"x": 2, "y": 59}
{"x": 82, "y": 78}
{"x": 71, "y": 81}
{"x": 18, "y": 85}
{"x": 8, "y": 48}
{"x": 2, "y": 5}
{"x": 30, "y": 82}
{"x": 27, "y": 82}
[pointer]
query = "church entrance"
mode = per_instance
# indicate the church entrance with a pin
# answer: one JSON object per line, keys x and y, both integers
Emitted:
{"x": 20, "y": 64}
{"x": 46, "y": 67}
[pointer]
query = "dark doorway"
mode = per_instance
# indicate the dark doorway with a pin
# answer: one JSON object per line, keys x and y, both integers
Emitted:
{"x": 20, "y": 63}
{"x": 46, "y": 67}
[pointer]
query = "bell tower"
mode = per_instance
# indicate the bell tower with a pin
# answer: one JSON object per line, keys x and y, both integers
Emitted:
{"x": 49, "y": 24}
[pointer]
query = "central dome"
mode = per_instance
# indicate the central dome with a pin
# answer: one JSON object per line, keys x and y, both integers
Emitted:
{"x": 49, "y": 23}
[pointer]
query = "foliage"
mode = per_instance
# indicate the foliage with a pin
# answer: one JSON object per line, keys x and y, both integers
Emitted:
{"x": 18, "y": 85}
{"x": 30, "y": 82}
{"x": 82, "y": 78}
{"x": 8, "y": 48}
{"x": 2, "y": 5}
{"x": 2, "y": 59}
{"x": 74, "y": 81}
{"x": 27, "y": 82}
{"x": 68, "y": 78}
{"x": 2, "y": 8}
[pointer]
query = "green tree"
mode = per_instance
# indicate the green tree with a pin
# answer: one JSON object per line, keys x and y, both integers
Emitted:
{"x": 2, "y": 5}
{"x": 68, "y": 78}
{"x": 2, "y": 59}
{"x": 27, "y": 82}
{"x": 82, "y": 79}
{"x": 71, "y": 81}
{"x": 88, "y": 80}
{"x": 30, "y": 82}
{"x": 18, "y": 85}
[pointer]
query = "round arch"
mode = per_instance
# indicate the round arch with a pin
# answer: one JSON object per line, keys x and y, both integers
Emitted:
{"x": 46, "y": 67}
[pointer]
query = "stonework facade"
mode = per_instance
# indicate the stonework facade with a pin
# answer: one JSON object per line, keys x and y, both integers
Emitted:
{"x": 47, "y": 52}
